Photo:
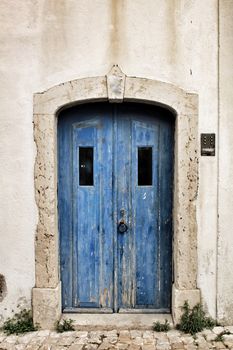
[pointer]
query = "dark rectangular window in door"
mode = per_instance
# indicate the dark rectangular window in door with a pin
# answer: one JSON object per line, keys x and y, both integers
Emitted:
{"x": 86, "y": 166}
{"x": 144, "y": 166}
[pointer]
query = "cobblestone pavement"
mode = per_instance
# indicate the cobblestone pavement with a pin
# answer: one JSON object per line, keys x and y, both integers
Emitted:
{"x": 119, "y": 340}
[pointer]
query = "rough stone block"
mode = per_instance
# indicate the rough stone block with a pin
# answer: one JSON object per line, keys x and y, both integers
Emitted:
{"x": 76, "y": 347}
{"x": 105, "y": 346}
{"x": 115, "y": 84}
{"x": 90, "y": 347}
{"x": 137, "y": 341}
{"x": 177, "y": 346}
{"x": 179, "y": 297}
{"x": 121, "y": 346}
{"x": 134, "y": 347}
{"x": 210, "y": 337}
{"x": 26, "y": 338}
{"x": 217, "y": 330}
{"x": 135, "y": 334}
{"x": 46, "y": 306}
{"x": 190, "y": 347}
{"x": 187, "y": 339}
{"x": 228, "y": 328}
{"x": 124, "y": 337}
{"x": 219, "y": 345}
{"x": 148, "y": 347}
{"x": 228, "y": 340}
{"x": 82, "y": 334}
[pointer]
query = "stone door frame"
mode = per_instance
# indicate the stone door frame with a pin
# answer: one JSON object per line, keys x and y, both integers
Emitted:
{"x": 114, "y": 87}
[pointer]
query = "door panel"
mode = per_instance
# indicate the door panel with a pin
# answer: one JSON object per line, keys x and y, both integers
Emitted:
{"x": 115, "y": 165}
{"x": 165, "y": 213}
{"x": 145, "y": 215}
{"x": 123, "y": 206}
{"x": 86, "y": 222}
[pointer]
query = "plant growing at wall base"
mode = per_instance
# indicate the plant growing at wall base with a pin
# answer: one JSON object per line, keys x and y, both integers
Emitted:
{"x": 219, "y": 337}
{"x": 65, "y": 326}
{"x": 21, "y": 322}
{"x": 194, "y": 320}
{"x": 161, "y": 327}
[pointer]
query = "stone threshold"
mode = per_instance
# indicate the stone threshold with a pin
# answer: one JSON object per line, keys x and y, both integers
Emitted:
{"x": 116, "y": 321}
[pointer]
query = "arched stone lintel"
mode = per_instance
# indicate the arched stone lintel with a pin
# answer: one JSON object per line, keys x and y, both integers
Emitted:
{"x": 95, "y": 89}
{"x": 115, "y": 87}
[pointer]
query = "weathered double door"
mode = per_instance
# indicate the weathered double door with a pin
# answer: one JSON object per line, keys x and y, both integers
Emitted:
{"x": 115, "y": 207}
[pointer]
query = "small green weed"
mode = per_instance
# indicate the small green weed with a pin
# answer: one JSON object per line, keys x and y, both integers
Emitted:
{"x": 194, "y": 320}
{"x": 21, "y": 322}
{"x": 161, "y": 327}
{"x": 219, "y": 337}
{"x": 65, "y": 326}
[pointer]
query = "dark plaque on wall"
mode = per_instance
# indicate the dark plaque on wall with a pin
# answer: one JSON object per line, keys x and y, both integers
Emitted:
{"x": 208, "y": 144}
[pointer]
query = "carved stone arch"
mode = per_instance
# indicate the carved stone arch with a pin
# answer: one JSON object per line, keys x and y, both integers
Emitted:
{"x": 115, "y": 87}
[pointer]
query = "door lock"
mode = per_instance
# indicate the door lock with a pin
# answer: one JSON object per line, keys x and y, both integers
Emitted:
{"x": 122, "y": 226}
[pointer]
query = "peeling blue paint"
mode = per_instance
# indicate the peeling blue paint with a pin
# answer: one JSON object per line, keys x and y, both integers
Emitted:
{"x": 100, "y": 267}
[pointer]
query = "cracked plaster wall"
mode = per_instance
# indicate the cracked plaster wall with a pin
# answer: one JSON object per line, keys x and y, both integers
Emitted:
{"x": 46, "y": 42}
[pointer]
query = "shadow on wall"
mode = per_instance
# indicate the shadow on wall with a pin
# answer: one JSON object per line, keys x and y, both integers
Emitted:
{"x": 3, "y": 288}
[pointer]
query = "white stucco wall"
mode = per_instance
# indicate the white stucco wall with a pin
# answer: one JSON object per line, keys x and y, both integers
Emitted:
{"x": 225, "y": 229}
{"x": 46, "y": 42}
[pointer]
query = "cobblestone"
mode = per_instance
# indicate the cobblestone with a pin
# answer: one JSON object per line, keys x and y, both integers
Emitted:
{"x": 217, "y": 330}
{"x": 119, "y": 340}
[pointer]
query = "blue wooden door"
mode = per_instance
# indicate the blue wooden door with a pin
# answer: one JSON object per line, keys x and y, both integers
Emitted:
{"x": 115, "y": 207}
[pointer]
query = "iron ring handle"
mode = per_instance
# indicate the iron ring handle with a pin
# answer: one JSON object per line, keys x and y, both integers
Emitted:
{"x": 122, "y": 227}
